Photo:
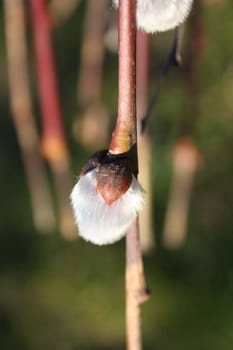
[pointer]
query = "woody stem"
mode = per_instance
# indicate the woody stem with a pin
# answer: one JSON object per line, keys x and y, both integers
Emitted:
{"x": 125, "y": 134}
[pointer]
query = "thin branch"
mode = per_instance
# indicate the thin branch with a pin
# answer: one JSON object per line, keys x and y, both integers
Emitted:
{"x": 191, "y": 70}
{"x": 136, "y": 290}
{"x": 92, "y": 53}
{"x": 144, "y": 143}
{"x": 186, "y": 157}
{"x": 125, "y": 133}
{"x": 24, "y": 120}
{"x": 111, "y": 32}
{"x": 174, "y": 59}
{"x": 124, "y": 138}
{"x": 185, "y": 162}
{"x": 53, "y": 140}
{"x": 143, "y": 49}
{"x": 91, "y": 127}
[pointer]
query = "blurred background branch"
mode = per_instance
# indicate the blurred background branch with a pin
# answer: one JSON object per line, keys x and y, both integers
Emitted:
{"x": 91, "y": 127}
{"x": 24, "y": 119}
{"x": 186, "y": 158}
{"x": 54, "y": 146}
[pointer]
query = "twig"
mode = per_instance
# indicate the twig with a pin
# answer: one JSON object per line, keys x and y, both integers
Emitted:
{"x": 185, "y": 162}
{"x": 144, "y": 144}
{"x": 53, "y": 140}
{"x": 191, "y": 69}
{"x": 136, "y": 290}
{"x": 174, "y": 59}
{"x": 186, "y": 157}
{"x": 125, "y": 133}
{"x": 22, "y": 112}
{"x": 92, "y": 53}
{"x": 124, "y": 137}
{"x": 91, "y": 127}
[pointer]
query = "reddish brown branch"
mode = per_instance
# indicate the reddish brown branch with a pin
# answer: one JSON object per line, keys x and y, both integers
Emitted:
{"x": 124, "y": 137}
{"x": 53, "y": 138}
{"x": 125, "y": 132}
{"x": 47, "y": 81}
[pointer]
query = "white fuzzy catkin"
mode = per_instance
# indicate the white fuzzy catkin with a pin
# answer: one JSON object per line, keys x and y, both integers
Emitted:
{"x": 98, "y": 222}
{"x": 160, "y": 15}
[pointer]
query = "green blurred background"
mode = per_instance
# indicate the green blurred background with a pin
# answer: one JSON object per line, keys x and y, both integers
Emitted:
{"x": 64, "y": 295}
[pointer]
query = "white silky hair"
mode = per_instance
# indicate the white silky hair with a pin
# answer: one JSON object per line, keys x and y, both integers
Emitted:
{"x": 160, "y": 15}
{"x": 98, "y": 222}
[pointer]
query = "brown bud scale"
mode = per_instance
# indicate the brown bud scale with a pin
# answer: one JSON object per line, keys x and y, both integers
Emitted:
{"x": 113, "y": 180}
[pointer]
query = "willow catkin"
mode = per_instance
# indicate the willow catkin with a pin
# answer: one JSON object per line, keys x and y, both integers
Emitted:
{"x": 160, "y": 15}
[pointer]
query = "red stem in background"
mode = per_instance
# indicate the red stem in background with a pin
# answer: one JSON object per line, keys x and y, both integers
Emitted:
{"x": 125, "y": 134}
{"x": 48, "y": 92}
{"x": 53, "y": 139}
